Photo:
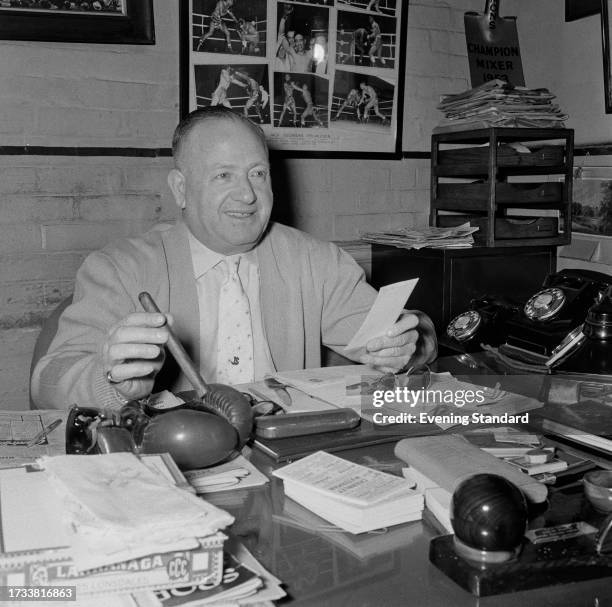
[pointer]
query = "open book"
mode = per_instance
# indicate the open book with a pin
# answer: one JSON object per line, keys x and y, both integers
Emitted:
{"x": 349, "y": 495}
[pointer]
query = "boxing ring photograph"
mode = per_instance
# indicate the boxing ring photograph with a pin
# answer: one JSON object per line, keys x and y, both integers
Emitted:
{"x": 320, "y": 78}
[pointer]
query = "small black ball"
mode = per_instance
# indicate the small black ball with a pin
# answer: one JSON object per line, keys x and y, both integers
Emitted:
{"x": 489, "y": 512}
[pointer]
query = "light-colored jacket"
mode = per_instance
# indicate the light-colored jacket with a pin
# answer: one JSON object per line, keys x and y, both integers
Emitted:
{"x": 312, "y": 293}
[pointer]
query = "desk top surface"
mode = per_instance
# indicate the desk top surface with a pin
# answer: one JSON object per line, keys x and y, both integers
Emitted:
{"x": 320, "y": 567}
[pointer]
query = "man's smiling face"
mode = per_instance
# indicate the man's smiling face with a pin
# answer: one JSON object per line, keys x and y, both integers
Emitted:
{"x": 223, "y": 184}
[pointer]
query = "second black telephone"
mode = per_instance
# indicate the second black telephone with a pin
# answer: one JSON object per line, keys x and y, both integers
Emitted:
{"x": 558, "y": 308}
{"x": 538, "y": 325}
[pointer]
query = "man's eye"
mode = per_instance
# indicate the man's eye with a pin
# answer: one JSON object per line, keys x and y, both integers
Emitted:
{"x": 222, "y": 175}
{"x": 259, "y": 174}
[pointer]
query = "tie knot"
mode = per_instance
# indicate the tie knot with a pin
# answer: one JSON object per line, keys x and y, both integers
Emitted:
{"x": 232, "y": 264}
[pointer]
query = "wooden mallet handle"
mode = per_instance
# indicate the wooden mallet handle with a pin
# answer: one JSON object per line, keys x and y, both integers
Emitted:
{"x": 176, "y": 348}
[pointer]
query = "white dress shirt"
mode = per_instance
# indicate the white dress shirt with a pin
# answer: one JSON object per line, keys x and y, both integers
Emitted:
{"x": 210, "y": 275}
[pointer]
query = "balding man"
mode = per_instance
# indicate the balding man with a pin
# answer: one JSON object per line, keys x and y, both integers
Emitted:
{"x": 299, "y": 292}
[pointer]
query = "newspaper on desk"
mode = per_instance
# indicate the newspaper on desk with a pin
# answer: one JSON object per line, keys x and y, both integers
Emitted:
{"x": 19, "y": 429}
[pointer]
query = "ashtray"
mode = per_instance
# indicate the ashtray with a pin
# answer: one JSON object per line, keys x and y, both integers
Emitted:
{"x": 598, "y": 489}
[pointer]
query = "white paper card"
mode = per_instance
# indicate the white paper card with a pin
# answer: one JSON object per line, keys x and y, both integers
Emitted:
{"x": 385, "y": 311}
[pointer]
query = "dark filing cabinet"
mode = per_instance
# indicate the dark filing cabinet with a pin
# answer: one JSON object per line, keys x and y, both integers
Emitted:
{"x": 451, "y": 278}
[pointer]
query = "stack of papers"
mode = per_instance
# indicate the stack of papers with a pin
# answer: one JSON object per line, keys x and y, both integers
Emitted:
{"x": 499, "y": 104}
{"x": 120, "y": 527}
{"x": 116, "y": 508}
{"x": 352, "y": 497}
{"x": 458, "y": 237}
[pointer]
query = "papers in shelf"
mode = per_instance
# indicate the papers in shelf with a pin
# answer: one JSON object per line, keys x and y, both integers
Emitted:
{"x": 353, "y": 497}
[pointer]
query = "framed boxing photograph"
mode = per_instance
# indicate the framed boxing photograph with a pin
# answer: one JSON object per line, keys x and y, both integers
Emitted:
{"x": 322, "y": 78}
{"x": 91, "y": 21}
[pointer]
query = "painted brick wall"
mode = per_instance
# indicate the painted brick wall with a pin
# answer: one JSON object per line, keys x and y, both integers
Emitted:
{"x": 54, "y": 210}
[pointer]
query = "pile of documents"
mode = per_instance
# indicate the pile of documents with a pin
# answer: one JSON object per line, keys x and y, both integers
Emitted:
{"x": 499, "y": 104}
{"x": 458, "y": 237}
{"x": 355, "y": 498}
{"x": 110, "y": 524}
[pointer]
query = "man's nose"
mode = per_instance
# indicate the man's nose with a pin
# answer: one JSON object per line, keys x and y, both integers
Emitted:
{"x": 245, "y": 191}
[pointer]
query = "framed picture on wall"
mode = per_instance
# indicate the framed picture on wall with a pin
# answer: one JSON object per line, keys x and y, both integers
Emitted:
{"x": 91, "y": 21}
{"x": 592, "y": 201}
{"x": 321, "y": 77}
{"x": 606, "y": 39}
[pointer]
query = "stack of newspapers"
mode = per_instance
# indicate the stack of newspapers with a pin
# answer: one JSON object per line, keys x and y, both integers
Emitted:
{"x": 458, "y": 237}
{"x": 499, "y": 104}
{"x": 112, "y": 524}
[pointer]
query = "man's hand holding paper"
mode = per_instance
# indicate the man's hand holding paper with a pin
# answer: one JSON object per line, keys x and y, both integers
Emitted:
{"x": 409, "y": 340}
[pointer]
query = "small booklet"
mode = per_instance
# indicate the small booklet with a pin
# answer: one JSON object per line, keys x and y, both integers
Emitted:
{"x": 353, "y": 497}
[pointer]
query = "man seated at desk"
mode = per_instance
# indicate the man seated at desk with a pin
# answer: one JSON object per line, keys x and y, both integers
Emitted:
{"x": 244, "y": 296}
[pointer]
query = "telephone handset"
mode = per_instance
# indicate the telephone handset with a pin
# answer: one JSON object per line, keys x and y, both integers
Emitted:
{"x": 588, "y": 348}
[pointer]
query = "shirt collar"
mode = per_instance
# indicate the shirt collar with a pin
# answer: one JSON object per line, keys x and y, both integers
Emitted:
{"x": 205, "y": 259}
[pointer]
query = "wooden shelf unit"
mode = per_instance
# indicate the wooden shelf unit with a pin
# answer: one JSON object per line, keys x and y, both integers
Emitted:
{"x": 476, "y": 174}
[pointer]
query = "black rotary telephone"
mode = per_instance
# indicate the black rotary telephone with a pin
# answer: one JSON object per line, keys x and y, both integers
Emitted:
{"x": 559, "y": 308}
{"x": 484, "y": 322}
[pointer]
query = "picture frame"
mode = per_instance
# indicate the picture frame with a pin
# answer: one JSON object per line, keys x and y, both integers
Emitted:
{"x": 323, "y": 78}
{"x": 592, "y": 202}
{"x": 90, "y": 21}
{"x": 606, "y": 38}
{"x": 577, "y": 9}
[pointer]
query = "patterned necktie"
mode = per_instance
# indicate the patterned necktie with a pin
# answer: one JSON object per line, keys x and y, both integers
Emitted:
{"x": 235, "y": 335}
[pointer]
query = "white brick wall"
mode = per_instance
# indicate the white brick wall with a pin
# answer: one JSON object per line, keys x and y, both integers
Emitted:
{"x": 54, "y": 210}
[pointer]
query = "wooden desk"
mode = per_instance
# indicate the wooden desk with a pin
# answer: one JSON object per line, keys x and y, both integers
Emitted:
{"x": 319, "y": 571}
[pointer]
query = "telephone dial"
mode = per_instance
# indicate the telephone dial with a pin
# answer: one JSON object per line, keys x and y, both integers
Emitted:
{"x": 484, "y": 322}
{"x": 549, "y": 326}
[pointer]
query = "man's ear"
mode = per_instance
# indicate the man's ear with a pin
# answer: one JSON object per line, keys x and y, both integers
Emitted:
{"x": 176, "y": 181}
